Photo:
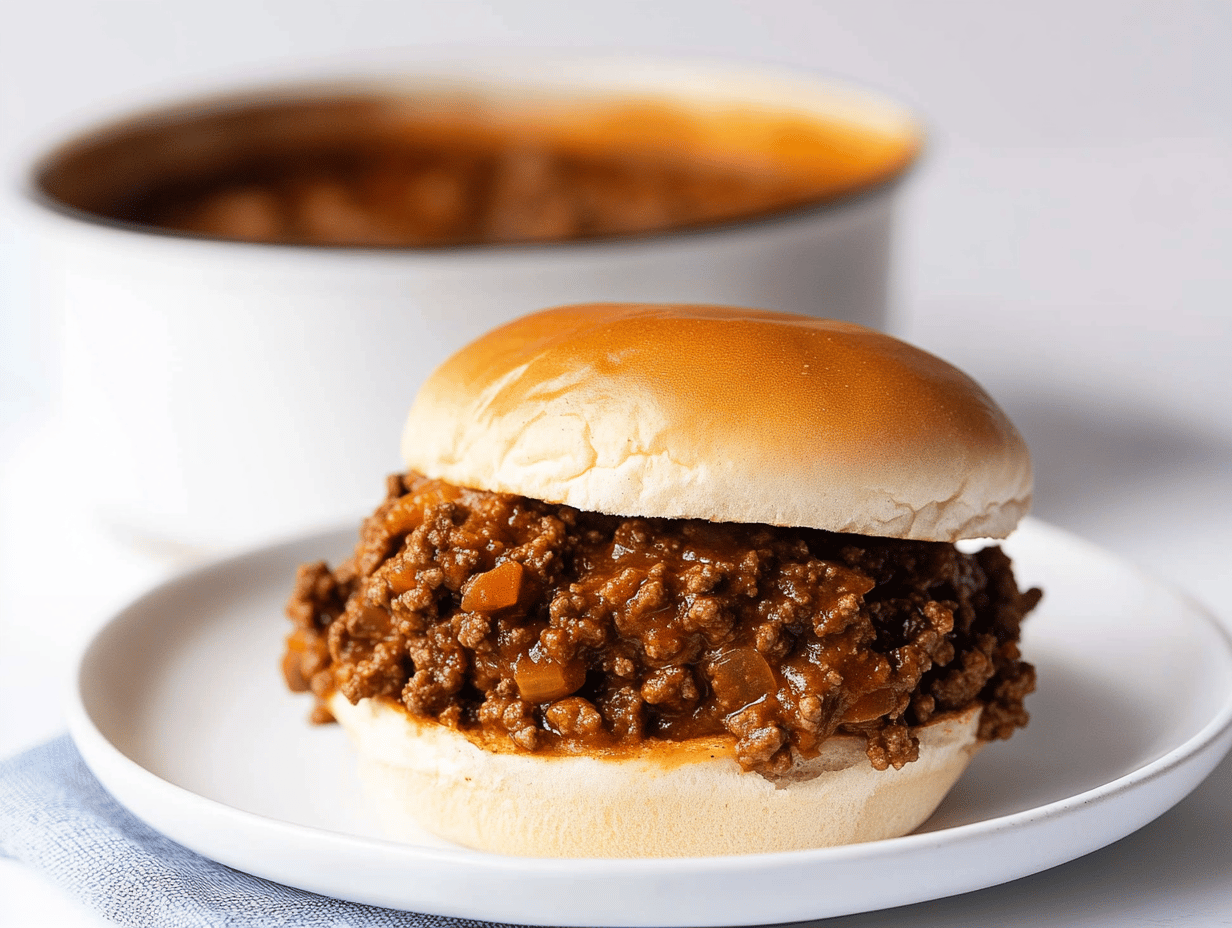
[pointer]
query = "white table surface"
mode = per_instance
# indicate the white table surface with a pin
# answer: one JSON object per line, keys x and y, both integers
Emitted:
{"x": 1068, "y": 241}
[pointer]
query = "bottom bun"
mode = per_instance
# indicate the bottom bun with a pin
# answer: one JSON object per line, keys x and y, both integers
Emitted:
{"x": 667, "y": 799}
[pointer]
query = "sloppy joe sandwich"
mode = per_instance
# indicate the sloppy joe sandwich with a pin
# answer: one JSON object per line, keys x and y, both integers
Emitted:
{"x": 667, "y": 580}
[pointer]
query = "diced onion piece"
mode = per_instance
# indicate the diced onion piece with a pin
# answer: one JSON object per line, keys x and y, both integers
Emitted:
{"x": 496, "y": 589}
{"x": 741, "y": 677}
{"x": 407, "y": 512}
{"x": 541, "y": 679}
{"x": 871, "y": 706}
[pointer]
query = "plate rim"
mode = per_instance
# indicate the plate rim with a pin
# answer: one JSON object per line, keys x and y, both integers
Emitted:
{"x": 138, "y": 788}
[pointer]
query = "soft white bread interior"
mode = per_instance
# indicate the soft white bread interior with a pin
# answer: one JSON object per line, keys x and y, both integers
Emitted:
{"x": 687, "y": 799}
{"x": 733, "y": 415}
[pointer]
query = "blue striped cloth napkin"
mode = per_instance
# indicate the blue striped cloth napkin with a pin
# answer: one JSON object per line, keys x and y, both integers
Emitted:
{"x": 56, "y": 817}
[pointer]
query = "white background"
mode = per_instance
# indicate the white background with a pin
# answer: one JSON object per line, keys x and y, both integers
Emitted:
{"x": 1067, "y": 240}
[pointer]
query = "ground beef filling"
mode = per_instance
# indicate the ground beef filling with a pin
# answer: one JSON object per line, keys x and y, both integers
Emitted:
{"x": 560, "y": 630}
{"x": 424, "y": 196}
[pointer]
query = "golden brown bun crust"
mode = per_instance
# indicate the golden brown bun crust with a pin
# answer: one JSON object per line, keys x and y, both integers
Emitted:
{"x": 688, "y": 799}
{"x": 724, "y": 414}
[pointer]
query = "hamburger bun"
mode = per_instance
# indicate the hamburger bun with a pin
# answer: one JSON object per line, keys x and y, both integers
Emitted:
{"x": 734, "y": 415}
{"x": 702, "y": 413}
{"x": 668, "y": 799}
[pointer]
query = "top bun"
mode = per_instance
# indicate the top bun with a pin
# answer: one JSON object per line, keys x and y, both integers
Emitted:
{"x": 724, "y": 414}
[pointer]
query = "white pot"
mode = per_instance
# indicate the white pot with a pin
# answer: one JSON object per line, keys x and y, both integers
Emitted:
{"x": 220, "y": 392}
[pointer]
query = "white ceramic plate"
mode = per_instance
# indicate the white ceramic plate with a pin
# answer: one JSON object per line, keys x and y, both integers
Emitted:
{"x": 180, "y": 711}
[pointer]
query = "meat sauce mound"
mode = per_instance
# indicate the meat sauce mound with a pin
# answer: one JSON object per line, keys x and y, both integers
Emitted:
{"x": 552, "y": 629}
